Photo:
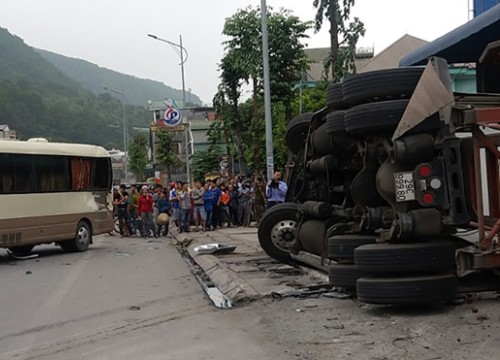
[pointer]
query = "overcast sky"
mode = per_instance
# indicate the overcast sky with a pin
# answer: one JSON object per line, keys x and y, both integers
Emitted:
{"x": 113, "y": 33}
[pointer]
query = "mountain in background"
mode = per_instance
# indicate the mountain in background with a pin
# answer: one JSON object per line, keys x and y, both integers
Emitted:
{"x": 39, "y": 100}
{"x": 95, "y": 78}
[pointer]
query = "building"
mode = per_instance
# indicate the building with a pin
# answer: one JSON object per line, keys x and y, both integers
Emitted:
{"x": 463, "y": 75}
{"x": 6, "y": 133}
{"x": 365, "y": 60}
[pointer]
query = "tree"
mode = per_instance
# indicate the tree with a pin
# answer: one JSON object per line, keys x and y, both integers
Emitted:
{"x": 242, "y": 63}
{"x": 343, "y": 35}
{"x": 166, "y": 156}
{"x": 138, "y": 156}
{"x": 208, "y": 161}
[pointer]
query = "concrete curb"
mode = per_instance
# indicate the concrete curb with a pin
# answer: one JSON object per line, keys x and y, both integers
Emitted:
{"x": 229, "y": 283}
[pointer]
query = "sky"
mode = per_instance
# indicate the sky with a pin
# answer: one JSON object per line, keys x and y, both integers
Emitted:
{"x": 113, "y": 33}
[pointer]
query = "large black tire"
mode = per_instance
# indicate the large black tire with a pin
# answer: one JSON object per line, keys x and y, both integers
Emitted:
{"x": 81, "y": 241}
{"x": 276, "y": 231}
{"x": 406, "y": 290}
{"x": 335, "y": 122}
{"x": 322, "y": 141}
{"x": 388, "y": 84}
{"x": 334, "y": 97}
{"x": 380, "y": 117}
{"x": 21, "y": 250}
{"x": 344, "y": 275}
{"x": 296, "y": 131}
{"x": 341, "y": 247}
{"x": 413, "y": 258}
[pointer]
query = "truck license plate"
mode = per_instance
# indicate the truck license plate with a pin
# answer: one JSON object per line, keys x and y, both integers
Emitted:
{"x": 404, "y": 186}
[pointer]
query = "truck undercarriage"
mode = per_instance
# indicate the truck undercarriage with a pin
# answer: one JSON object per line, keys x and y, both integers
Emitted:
{"x": 395, "y": 188}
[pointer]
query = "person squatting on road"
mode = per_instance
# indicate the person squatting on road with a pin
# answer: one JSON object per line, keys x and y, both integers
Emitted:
{"x": 199, "y": 214}
{"x": 156, "y": 195}
{"x": 276, "y": 190}
{"x": 164, "y": 207}
{"x": 121, "y": 201}
{"x": 146, "y": 212}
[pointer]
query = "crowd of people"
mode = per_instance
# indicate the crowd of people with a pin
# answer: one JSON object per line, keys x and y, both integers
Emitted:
{"x": 210, "y": 205}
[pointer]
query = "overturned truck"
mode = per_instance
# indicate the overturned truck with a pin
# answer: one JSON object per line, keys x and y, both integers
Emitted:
{"x": 395, "y": 188}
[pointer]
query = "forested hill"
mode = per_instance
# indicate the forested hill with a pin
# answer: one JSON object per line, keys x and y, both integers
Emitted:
{"x": 94, "y": 78}
{"x": 37, "y": 99}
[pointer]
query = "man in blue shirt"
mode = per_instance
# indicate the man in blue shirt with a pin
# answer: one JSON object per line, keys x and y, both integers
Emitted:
{"x": 276, "y": 190}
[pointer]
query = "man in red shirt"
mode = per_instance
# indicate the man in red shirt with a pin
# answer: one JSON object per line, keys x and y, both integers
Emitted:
{"x": 146, "y": 213}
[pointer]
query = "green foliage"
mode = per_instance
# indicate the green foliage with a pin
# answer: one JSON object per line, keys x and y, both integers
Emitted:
{"x": 165, "y": 154}
{"x": 205, "y": 162}
{"x": 313, "y": 98}
{"x": 242, "y": 63}
{"x": 138, "y": 155}
{"x": 344, "y": 35}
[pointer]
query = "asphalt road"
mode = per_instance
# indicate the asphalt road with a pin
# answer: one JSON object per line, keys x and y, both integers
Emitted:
{"x": 122, "y": 299}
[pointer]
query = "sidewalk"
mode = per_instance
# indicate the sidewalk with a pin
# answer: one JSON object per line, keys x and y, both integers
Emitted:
{"x": 247, "y": 273}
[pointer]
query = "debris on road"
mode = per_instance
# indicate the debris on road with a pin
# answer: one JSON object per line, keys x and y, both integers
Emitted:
{"x": 21, "y": 257}
{"x": 214, "y": 248}
{"x": 134, "y": 308}
{"x": 281, "y": 294}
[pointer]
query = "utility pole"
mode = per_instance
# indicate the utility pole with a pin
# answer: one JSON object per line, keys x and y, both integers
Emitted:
{"x": 181, "y": 51}
{"x": 267, "y": 94}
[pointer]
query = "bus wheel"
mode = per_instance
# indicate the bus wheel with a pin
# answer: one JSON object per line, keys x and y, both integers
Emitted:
{"x": 81, "y": 241}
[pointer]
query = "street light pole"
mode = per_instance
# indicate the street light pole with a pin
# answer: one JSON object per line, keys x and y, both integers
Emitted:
{"x": 125, "y": 133}
{"x": 181, "y": 51}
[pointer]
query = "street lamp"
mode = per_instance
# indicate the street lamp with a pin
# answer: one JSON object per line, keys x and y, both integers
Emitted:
{"x": 125, "y": 135}
{"x": 183, "y": 54}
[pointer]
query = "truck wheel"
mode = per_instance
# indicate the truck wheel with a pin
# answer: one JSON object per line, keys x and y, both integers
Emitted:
{"x": 334, "y": 98}
{"x": 276, "y": 231}
{"x": 380, "y": 85}
{"x": 398, "y": 259}
{"x": 406, "y": 290}
{"x": 344, "y": 275}
{"x": 341, "y": 247}
{"x": 335, "y": 122}
{"x": 296, "y": 131}
{"x": 81, "y": 241}
{"x": 379, "y": 117}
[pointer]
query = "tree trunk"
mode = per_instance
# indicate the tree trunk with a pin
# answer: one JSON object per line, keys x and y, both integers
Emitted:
{"x": 256, "y": 126}
{"x": 238, "y": 135}
{"x": 333, "y": 10}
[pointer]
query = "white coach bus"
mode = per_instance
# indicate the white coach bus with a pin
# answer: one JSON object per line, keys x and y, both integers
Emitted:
{"x": 53, "y": 192}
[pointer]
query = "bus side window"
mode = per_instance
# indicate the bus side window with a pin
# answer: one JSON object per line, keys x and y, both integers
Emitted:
{"x": 81, "y": 174}
{"x": 23, "y": 173}
{"x": 51, "y": 173}
{"x": 6, "y": 174}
